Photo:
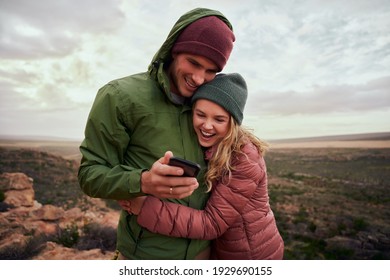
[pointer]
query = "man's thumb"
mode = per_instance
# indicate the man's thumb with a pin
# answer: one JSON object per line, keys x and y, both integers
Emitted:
{"x": 166, "y": 157}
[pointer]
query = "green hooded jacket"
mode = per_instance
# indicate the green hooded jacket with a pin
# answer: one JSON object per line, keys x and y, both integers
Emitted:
{"x": 132, "y": 123}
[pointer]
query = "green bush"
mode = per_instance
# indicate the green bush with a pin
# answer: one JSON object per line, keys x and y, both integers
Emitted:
{"x": 32, "y": 248}
{"x": 69, "y": 236}
{"x": 360, "y": 224}
{"x": 97, "y": 236}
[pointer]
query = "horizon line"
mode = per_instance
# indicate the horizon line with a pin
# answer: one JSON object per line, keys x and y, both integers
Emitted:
{"x": 341, "y": 137}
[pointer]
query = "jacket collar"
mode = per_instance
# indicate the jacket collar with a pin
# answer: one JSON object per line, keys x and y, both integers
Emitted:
{"x": 208, "y": 154}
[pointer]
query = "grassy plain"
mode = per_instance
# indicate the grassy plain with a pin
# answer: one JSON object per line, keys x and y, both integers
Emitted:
{"x": 332, "y": 200}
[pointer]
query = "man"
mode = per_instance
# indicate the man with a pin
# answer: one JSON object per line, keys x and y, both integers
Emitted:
{"x": 136, "y": 119}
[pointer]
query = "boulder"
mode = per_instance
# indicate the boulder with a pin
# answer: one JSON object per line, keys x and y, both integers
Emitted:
{"x": 17, "y": 189}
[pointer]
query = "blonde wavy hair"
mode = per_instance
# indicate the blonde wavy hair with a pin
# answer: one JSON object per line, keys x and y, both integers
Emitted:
{"x": 231, "y": 145}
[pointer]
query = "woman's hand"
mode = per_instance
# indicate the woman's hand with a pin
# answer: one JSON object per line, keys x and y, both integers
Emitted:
{"x": 132, "y": 206}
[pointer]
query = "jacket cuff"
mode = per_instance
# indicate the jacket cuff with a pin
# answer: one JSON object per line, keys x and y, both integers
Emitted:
{"x": 135, "y": 181}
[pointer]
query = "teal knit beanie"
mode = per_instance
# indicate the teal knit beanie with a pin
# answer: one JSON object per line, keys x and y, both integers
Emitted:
{"x": 228, "y": 91}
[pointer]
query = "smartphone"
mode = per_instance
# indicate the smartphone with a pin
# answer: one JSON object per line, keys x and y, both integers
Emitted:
{"x": 191, "y": 169}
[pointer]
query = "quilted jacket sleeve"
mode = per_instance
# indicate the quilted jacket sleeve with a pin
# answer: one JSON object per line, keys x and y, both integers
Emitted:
{"x": 224, "y": 206}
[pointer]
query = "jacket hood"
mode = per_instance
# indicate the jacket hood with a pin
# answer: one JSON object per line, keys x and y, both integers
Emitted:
{"x": 164, "y": 53}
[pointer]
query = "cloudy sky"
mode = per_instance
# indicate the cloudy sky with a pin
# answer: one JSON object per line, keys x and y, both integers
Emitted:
{"x": 313, "y": 68}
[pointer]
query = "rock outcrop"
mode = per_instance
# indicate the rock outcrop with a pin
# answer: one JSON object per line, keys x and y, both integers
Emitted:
{"x": 29, "y": 230}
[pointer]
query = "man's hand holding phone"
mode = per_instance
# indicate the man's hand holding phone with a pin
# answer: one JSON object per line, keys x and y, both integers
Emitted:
{"x": 166, "y": 181}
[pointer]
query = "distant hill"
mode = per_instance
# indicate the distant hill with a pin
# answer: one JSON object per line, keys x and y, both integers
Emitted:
{"x": 37, "y": 138}
{"x": 379, "y": 136}
{"x": 67, "y": 148}
{"x": 375, "y": 136}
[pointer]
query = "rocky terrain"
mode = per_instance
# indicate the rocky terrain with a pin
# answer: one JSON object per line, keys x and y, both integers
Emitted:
{"x": 44, "y": 214}
{"x": 30, "y": 230}
{"x": 330, "y": 203}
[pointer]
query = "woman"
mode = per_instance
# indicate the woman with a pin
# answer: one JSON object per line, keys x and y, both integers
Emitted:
{"x": 237, "y": 215}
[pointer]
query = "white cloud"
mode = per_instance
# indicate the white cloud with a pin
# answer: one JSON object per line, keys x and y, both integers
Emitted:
{"x": 312, "y": 67}
{"x": 37, "y": 29}
{"x": 371, "y": 96}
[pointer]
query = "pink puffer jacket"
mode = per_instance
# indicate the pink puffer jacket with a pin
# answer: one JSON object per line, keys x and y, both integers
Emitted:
{"x": 237, "y": 215}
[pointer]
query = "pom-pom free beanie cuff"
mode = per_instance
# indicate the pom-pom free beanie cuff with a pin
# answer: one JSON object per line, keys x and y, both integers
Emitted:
{"x": 228, "y": 91}
{"x": 209, "y": 37}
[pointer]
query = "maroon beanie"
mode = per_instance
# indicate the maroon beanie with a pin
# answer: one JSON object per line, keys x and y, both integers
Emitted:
{"x": 209, "y": 37}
